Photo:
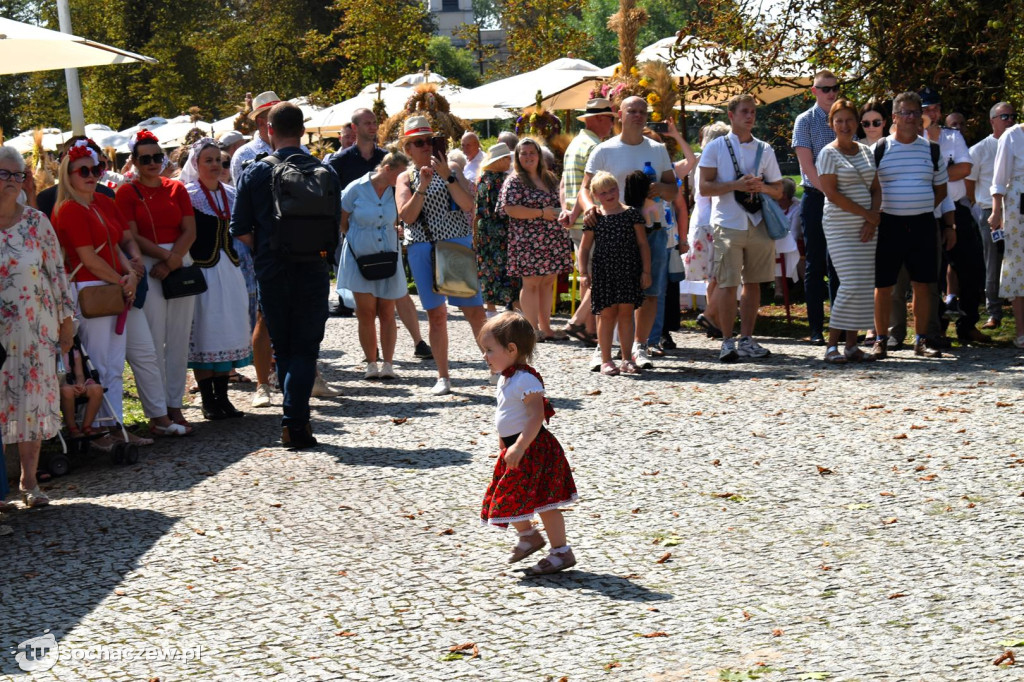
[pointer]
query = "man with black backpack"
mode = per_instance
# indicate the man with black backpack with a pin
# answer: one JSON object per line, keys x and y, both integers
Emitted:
{"x": 288, "y": 211}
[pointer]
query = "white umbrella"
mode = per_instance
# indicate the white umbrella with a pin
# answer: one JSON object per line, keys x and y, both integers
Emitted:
{"x": 52, "y": 137}
{"x": 24, "y": 48}
{"x": 520, "y": 91}
{"x": 411, "y": 80}
{"x": 308, "y": 111}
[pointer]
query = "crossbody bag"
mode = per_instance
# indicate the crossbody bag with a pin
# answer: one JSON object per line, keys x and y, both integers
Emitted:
{"x": 453, "y": 266}
{"x": 102, "y": 300}
{"x": 775, "y": 221}
{"x": 188, "y": 280}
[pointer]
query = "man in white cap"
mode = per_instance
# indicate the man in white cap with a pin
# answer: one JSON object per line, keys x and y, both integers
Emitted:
{"x": 598, "y": 122}
{"x": 230, "y": 141}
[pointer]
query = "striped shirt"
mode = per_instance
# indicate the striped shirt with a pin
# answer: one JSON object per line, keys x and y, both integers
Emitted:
{"x": 908, "y": 178}
{"x": 812, "y": 131}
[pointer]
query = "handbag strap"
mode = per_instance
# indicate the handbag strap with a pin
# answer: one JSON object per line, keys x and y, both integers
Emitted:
{"x": 152, "y": 223}
{"x": 97, "y": 249}
{"x": 414, "y": 176}
{"x": 736, "y": 165}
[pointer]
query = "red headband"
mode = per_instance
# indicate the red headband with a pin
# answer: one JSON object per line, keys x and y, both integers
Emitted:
{"x": 81, "y": 150}
{"x": 145, "y": 136}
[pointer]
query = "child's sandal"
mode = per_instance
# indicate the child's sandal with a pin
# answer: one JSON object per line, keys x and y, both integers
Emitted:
{"x": 554, "y": 562}
{"x": 75, "y": 433}
{"x": 528, "y": 544}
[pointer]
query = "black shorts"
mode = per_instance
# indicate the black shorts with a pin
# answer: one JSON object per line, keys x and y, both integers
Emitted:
{"x": 912, "y": 241}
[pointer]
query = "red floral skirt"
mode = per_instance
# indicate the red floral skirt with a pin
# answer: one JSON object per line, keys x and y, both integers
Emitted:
{"x": 542, "y": 482}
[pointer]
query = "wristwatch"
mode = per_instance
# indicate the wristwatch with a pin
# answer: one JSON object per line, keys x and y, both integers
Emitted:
{"x": 451, "y": 178}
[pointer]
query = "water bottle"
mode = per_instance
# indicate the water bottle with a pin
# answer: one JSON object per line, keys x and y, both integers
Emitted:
{"x": 653, "y": 175}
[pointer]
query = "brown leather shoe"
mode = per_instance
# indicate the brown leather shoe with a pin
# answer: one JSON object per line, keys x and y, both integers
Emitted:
{"x": 527, "y": 545}
{"x": 553, "y": 563}
{"x": 879, "y": 351}
{"x": 991, "y": 323}
{"x": 973, "y": 335}
{"x": 921, "y": 349}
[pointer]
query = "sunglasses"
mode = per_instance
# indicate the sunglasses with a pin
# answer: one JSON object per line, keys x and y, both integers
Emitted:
{"x": 1006, "y": 117}
{"x": 827, "y": 88}
{"x": 225, "y": 164}
{"x": 877, "y": 123}
{"x": 17, "y": 176}
{"x": 147, "y": 159}
{"x": 421, "y": 142}
{"x": 96, "y": 171}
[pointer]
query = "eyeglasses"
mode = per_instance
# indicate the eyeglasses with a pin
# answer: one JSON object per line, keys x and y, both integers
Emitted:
{"x": 827, "y": 88}
{"x": 877, "y": 123}
{"x": 913, "y": 113}
{"x": 147, "y": 159}
{"x": 1006, "y": 117}
{"x": 17, "y": 176}
{"x": 421, "y": 142}
{"x": 96, "y": 171}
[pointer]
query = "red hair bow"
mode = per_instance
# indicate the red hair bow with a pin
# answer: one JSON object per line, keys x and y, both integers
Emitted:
{"x": 81, "y": 150}
{"x": 145, "y": 136}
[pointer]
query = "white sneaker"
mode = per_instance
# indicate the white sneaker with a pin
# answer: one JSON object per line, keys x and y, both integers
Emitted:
{"x": 387, "y": 371}
{"x": 442, "y": 387}
{"x": 748, "y": 348}
{"x": 640, "y": 357}
{"x": 322, "y": 390}
{"x": 728, "y": 353}
{"x": 494, "y": 378}
{"x": 262, "y": 396}
{"x": 372, "y": 371}
{"x": 595, "y": 359}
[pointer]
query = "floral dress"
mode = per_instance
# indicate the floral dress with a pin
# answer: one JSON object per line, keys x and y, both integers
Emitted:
{"x": 490, "y": 241}
{"x": 35, "y": 299}
{"x": 543, "y": 480}
{"x": 537, "y": 246}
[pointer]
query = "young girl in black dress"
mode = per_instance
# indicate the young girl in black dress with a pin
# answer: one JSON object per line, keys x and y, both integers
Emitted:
{"x": 620, "y": 271}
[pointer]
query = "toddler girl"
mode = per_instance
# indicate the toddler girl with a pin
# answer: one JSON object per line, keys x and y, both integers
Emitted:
{"x": 620, "y": 271}
{"x": 531, "y": 475}
{"x": 76, "y": 385}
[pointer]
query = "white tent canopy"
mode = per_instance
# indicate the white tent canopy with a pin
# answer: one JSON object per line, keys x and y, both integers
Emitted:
{"x": 52, "y": 137}
{"x": 308, "y": 111}
{"x": 520, "y": 91}
{"x": 25, "y": 48}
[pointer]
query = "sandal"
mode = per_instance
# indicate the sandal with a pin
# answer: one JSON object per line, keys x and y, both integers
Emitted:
{"x": 236, "y": 378}
{"x": 553, "y": 563}
{"x": 34, "y": 498}
{"x": 171, "y": 430}
{"x": 629, "y": 367}
{"x": 557, "y": 336}
{"x": 529, "y": 543}
{"x": 139, "y": 440}
{"x": 834, "y": 357}
{"x": 577, "y": 331}
{"x": 609, "y": 369}
{"x": 708, "y": 326}
{"x": 855, "y": 354}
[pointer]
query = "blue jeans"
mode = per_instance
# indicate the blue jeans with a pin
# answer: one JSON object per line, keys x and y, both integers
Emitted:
{"x": 294, "y": 305}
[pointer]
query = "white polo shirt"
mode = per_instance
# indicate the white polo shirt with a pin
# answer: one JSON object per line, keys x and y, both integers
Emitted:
{"x": 983, "y": 156}
{"x": 725, "y": 210}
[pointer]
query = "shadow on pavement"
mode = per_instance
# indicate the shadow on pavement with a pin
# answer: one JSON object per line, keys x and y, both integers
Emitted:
{"x": 611, "y": 586}
{"x": 52, "y": 575}
{"x": 420, "y": 458}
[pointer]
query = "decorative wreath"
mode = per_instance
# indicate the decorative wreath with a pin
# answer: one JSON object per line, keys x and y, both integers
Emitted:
{"x": 425, "y": 101}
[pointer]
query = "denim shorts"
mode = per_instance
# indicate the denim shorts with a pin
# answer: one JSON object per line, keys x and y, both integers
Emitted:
{"x": 658, "y": 242}
{"x": 418, "y": 254}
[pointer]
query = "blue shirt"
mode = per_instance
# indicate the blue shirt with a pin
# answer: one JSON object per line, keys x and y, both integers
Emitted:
{"x": 254, "y": 214}
{"x": 812, "y": 131}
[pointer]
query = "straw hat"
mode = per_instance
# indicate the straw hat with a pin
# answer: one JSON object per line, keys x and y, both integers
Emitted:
{"x": 599, "y": 106}
{"x": 262, "y": 102}
{"x": 496, "y": 153}
{"x": 416, "y": 126}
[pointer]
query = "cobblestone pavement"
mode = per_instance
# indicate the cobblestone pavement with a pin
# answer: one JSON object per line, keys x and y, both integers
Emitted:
{"x": 774, "y": 518}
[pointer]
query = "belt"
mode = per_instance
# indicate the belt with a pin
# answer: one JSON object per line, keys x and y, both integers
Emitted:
{"x": 507, "y": 441}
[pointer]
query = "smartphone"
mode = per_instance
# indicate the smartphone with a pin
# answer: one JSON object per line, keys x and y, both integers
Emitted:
{"x": 659, "y": 127}
{"x": 440, "y": 146}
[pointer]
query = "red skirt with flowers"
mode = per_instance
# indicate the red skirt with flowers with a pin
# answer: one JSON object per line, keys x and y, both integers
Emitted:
{"x": 540, "y": 483}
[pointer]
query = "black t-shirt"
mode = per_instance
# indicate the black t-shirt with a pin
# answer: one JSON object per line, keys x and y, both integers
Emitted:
{"x": 350, "y": 165}
{"x": 47, "y": 199}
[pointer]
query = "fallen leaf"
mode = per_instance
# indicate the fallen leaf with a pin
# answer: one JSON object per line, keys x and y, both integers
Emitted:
{"x": 399, "y": 420}
{"x": 889, "y": 522}
{"x": 200, "y": 531}
{"x": 635, "y": 511}
{"x": 824, "y": 471}
{"x": 1002, "y": 404}
{"x": 655, "y": 634}
{"x": 929, "y": 477}
{"x": 897, "y": 595}
{"x": 276, "y": 504}
{"x": 1006, "y": 657}
{"x": 716, "y": 463}
{"x": 476, "y": 652}
{"x": 776, "y": 632}
{"x": 746, "y": 616}
{"x": 887, "y": 494}
{"x": 901, "y": 436}
{"x": 917, "y": 427}
{"x": 1012, "y": 642}
{"x": 613, "y": 664}
{"x": 345, "y": 633}
{"x": 462, "y": 647}
{"x": 596, "y": 391}
{"x": 873, "y": 407}
{"x": 120, "y": 593}
{"x": 664, "y": 557}
{"x": 447, "y": 531}
{"x": 651, "y": 473}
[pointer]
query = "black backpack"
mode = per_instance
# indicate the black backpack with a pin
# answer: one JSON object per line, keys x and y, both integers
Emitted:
{"x": 307, "y": 209}
{"x": 883, "y": 144}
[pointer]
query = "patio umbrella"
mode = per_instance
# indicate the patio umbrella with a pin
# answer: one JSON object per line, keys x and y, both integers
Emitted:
{"x": 520, "y": 91}
{"x": 24, "y": 48}
{"x": 52, "y": 137}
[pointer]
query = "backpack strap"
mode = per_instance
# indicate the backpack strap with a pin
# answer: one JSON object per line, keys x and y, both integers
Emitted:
{"x": 936, "y": 152}
{"x": 271, "y": 160}
{"x": 880, "y": 148}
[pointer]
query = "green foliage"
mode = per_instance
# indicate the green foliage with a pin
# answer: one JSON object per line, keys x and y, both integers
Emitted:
{"x": 664, "y": 20}
{"x": 454, "y": 63}
{"x": 539, "y": 31}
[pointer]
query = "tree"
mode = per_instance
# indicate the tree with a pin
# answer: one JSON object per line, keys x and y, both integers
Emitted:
{"x": 455, "y": 64}
{"x": 539, "y": 31}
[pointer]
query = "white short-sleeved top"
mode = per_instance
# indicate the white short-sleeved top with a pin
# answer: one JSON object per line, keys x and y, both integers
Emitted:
{"x": 511, "y": 416}
{"x": 725, "y": 210}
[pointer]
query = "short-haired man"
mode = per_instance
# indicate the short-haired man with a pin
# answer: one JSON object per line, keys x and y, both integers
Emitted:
{"x": 979, "y": 190}
{"x": 470, "y": 144}
{"x": 292, "y": 293}
{"x": 509, "y": 138}
{"x": 966, "y": 258}
{"x": 352, "y": 163}
{"x": 811, "y": 133}
{"x": 744, "y": 253}
{"x": 348, "y": 135}
{"x": 912, "y": 188}
{"x": 621, "y": 155}
{"x": 598, "y": 122}
{"x": 956, "y": 121}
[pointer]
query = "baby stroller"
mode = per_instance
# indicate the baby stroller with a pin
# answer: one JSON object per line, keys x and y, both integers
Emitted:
{"x": 123, "y": 451}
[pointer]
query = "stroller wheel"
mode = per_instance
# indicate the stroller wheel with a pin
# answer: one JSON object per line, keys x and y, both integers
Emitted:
{"x": 58, "y": 465}
{"x": 131, "y": 453}
{"x": 118, "y": 453}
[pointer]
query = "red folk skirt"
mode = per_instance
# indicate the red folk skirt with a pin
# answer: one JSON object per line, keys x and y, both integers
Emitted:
{"x": 542, "y": 482}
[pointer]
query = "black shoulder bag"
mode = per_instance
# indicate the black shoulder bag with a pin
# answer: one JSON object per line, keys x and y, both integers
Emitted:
{"x": 750, "y": 201}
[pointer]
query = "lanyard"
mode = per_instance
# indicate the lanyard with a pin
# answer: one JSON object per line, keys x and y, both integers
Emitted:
{"x": 224, "y": 214}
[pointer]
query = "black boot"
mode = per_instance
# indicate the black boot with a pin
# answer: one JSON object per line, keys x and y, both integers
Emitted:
{"x": 220, "y": 393}
{"x": 211, "y": 407}
{"x": 298, "y": 437}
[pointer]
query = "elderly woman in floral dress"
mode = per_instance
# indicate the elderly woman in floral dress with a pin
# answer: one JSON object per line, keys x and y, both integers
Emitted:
{"x": 36, "y": 316}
